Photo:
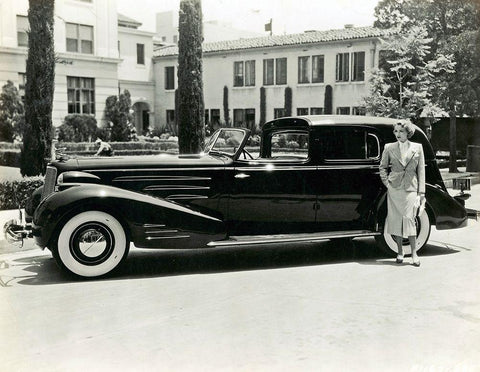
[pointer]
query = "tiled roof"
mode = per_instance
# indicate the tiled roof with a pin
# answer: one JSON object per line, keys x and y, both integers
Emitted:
{"x": 309, "y": 37}
{"x": 124, "y": 19}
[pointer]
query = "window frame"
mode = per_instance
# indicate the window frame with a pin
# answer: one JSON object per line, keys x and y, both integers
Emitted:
{"x": 300, "y": 111}
{"x": 269, "y": 71}
{"x": 141, "y": 55}
{"x": 358, "y": 66}
{"x": 238, "y": 74}
{"x": 342, "y": 67}
{"x": 78, "y": 39}
{"x": 249, "y": 73}
{"x": 78, "y": 90}
{"x": 238, "y": 111}
{"x": 169, "y": 83}
{"x": 303, "y": 70}
{"x": 320, "y": 71}
{"x": 281, "y": 76}
{"x": 366, "y": 134}
{"x": 268, "y": 145}
{"x": 340, "y": 108}
{"x": 22, "y": 32}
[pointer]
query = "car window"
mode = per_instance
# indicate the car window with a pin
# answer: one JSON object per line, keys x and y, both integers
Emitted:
{"x": 348, "y": 143}
{"x": 228, "y": 141}
{"x": 286, "y": 145}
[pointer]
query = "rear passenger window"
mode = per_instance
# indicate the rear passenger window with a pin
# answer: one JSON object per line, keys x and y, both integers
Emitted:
{"x": 348, "y": 143}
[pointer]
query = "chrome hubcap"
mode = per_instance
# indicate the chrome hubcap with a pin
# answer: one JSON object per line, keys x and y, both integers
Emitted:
{"x": 92, "y": 243}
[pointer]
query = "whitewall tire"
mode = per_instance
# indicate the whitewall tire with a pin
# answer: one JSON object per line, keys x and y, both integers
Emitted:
{"x": 91, "y": 244}
{"x": 388, "y": 244}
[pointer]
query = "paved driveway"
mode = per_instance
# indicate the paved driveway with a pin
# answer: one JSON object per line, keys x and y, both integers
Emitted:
{"x": 321, "y": 306}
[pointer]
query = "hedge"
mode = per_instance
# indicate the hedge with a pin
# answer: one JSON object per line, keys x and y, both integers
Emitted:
{"x": 10, "y": 158}
{"x": 15, "y": 193}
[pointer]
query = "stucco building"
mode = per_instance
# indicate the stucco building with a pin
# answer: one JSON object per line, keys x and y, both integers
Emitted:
{"x": 314, "y": 64}
{"x": 99, "y": 53}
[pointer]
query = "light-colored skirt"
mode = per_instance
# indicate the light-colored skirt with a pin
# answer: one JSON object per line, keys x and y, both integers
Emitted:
{"x": 401, "y": 212}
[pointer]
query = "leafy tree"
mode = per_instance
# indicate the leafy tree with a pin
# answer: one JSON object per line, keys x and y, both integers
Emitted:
{"x": 39, "y": 88}
{"x": 117, "y": 111}
{"x": 11, "y": 111}
{"x": 403, "y": 85}
{"x": 191, "y": 131}
{"x": 454, "y": 28}
{"x": 78, "y": 128}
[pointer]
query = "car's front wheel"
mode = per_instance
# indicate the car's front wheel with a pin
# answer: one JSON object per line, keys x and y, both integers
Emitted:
{"x": 389, "y": 246}
{"x": 91, "y": 244}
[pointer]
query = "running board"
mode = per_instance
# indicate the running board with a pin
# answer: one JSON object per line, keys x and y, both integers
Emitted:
{"x": 290, "y": 238}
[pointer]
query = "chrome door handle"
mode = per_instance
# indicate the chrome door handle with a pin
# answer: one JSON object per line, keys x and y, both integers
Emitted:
{"x": 242, "y": 175}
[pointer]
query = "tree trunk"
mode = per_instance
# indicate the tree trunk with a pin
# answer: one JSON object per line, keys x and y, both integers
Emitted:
{"x": 40, "y": 71}
{"x": 191, "y": 115}
{"x": 452, "y": 168}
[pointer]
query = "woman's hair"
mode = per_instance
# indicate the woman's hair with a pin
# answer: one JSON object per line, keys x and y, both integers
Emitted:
{"x": 407, "y": 125}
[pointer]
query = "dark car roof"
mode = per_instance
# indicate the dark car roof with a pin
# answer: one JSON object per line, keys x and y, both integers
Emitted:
{"x": 316, "y": 120}
{"x": 382, "y": 124}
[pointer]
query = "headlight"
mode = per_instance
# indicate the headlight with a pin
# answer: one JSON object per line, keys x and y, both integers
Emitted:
{"x": 60, "y": 179}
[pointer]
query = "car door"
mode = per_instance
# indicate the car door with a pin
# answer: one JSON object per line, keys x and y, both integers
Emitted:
{"x": 347, "y": 179}
{"x": 273, "y": 194}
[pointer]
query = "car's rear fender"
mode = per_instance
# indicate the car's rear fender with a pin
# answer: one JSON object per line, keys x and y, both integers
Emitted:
{"x": 148, "y": 221}
{"x": 443, "y": 210}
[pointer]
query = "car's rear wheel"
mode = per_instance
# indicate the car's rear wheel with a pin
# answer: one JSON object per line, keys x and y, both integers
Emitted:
{"x": 389, "y": 246}
{"x": 91, "y": 244}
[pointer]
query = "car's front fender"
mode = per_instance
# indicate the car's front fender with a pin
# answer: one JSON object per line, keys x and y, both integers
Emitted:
{"x": 148, "y": 221}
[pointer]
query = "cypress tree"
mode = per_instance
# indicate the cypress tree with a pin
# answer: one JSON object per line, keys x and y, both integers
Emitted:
{"x": 191, "y": 127}
{"x": 328, "y": 104}
{"x": 263, "y": 106}
{"x": 39, "y": 88}
{"x": 288, "y": 101}
{"x": 226, "y": 110}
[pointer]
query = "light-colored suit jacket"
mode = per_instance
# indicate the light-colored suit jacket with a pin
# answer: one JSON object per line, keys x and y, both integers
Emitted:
{"x": 408, "y": 175}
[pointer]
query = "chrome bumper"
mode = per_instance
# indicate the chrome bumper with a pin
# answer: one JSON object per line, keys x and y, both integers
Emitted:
{"x": 15, "y": 231}
{"x": 473, "y": 214}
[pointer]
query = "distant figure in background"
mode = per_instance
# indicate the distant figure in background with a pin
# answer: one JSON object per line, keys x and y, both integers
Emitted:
{"x": 104, "y": 148}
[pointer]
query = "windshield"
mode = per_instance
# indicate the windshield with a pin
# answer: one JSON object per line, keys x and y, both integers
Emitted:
{"x": 225, "y": 141}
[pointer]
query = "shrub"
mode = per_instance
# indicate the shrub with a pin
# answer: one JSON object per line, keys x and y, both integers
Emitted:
{"x": 15, "y": 193}
{"x": 78, "y": 128}
{"x": 10, "y": 146}
{"x": 10, "y": 158}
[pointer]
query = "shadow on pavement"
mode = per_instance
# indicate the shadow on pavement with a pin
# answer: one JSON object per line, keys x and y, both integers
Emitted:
{"x": 158, "y": 263}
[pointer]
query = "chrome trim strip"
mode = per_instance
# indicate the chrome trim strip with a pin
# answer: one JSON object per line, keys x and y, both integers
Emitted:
{"x": 184, "y": 196}
{"x": 273, "y": 167}
{"x": 167, "y": 237}
{"x": 313, "y": 238}
{"x": 357, "y": 166}
{"x": 161, "y": 178}
{"x": 146, "y": 225}
{"x": 175, "y": 187}
{"x": 50, "y": 181}
{"x": 161, "y": 232}
{"x": 153, "y": 169}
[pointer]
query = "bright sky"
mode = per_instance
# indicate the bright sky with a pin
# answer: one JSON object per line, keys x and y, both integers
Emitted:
{"x": 289, "y": 16}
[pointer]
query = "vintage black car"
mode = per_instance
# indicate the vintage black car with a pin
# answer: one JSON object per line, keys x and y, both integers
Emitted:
{"x": 315, "y": 178}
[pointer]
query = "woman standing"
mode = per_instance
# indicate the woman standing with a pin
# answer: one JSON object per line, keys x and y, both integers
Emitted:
{"x": 406, "y": 186}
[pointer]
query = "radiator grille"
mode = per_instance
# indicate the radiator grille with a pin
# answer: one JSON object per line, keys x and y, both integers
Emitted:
{"x": 50, "y": 180}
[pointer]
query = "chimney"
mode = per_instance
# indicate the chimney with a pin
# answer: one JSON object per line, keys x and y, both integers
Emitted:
{"x": 349, "y": 25}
